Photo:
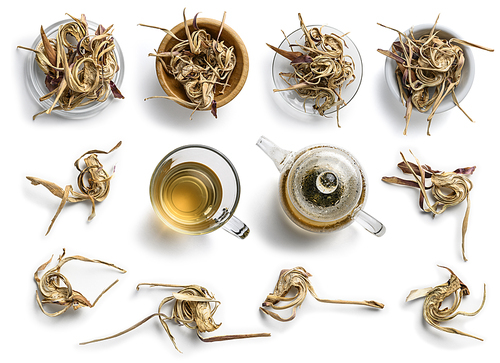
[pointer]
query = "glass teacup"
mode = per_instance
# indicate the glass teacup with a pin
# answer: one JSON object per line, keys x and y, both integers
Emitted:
{"x": 195, "y": 190}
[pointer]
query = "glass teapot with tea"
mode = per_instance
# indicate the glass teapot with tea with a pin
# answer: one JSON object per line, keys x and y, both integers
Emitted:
{"x": 322, "y": 188}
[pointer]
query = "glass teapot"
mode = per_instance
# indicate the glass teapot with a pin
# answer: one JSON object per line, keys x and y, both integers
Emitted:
{"x": 322, "y": 188}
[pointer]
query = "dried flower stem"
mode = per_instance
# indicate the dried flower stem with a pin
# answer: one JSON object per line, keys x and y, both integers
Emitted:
{"x": 298, "y": 278}
{"x": 192, "y": 308}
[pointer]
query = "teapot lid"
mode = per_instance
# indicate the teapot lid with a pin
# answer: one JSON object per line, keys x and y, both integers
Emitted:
{"x": 325, "y": 183}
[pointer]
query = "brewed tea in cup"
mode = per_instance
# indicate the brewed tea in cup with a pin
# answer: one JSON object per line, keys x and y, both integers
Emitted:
{"x": 195, "y": 190}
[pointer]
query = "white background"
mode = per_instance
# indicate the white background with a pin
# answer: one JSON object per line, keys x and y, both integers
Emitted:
{"x": 350, "y": 264}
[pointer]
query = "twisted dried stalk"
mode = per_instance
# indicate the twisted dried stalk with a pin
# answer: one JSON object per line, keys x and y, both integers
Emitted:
{"x": 200, "y": 63}
{"x": 434, "y": 297}
{"x": 424, "y": 64}
{"x": 298, "y": 278}
{"x": 77, "y": 75}
{"x": 193, "y": 307}
{"x": 53, "y": 292}
{"x": 96, "y": 191}
{"x": 320, "y": 70}
{"x": 447, "y": 188}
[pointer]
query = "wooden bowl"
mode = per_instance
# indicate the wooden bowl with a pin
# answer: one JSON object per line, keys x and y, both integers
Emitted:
{"x": 172, "y": 87}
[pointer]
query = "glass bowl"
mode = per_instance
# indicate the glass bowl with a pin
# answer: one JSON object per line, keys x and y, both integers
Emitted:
{"x": 35, "y": 78}
{"x": 290, "y": 101}
{"x": 466, "y": 79}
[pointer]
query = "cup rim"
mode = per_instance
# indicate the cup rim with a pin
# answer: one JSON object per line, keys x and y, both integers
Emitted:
{"x": 225, "y": 217}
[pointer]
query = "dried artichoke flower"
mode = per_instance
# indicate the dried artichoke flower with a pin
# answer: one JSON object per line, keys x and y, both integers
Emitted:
{"x": 447, "y": 188}
{"x": 77, "y": 75}
{"x": 298, "y": 278}
{"x": 96, "y": 191}
{"x": 53, "y": 292}
{"x": 434, "y": 297}
{"x": 194, "y": 307}
{"x": 424, "y": 64}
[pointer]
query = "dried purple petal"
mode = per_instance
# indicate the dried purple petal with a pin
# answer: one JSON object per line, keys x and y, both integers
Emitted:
{"x": 399, "y": 181}
{"x": 100, "y": 30}
{"x": 305, "y": 58}
{"x": 51, "y": 82}
{"x": 391, "y": 55}
{"x": 428, "y": 170}
{"x": 397, "y": 46}
{"x": 214, "y": 108}
{"x": 468, "y": 170}
{"x": 286, "y": 53}
{"x": 83, "y": 19}
{"x": 114, "y": 89}
{"x": 195, "y": 25}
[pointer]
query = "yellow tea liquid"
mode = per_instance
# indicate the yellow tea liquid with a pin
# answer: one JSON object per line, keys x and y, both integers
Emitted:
{"x": 188, "y": 195}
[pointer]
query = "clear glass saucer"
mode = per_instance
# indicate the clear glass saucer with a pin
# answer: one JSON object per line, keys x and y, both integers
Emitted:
{"x": 290, "y": 101}
{"x": 35, "y": 78}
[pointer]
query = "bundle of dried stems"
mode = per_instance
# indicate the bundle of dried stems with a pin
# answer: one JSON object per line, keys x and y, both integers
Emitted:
{"x": 298, "y": 278}
{"x": 53, "y": 292}
{"x": 447, "y": 188}
{"x": 200, "y": 63}
{"x": 79, "y": 67}
{"x": 434, "y": 297}
{"x": 425, "y": 64}
{"x": 320, "y": 69}
{"x": 194, "y": 307}
{"x": 96, "y": 191}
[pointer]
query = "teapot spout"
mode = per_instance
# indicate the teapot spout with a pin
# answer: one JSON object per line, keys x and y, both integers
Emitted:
{"x": 279, "y": 156}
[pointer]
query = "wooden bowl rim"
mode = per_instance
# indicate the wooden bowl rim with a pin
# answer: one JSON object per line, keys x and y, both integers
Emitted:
{"x": 235, "y": 89}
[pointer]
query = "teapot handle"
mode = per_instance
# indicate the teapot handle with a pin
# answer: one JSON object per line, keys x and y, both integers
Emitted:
{"x": 236, "y": 227}
{"x": 370, "y": 224}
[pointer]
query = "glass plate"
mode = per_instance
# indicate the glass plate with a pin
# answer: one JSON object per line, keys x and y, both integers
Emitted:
{"x": 290, "y": 100}
{"x": 35, "y": 78}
